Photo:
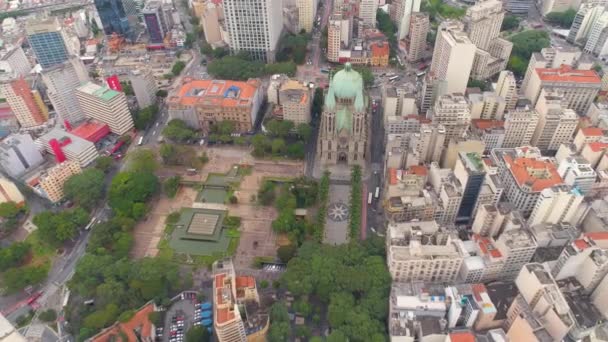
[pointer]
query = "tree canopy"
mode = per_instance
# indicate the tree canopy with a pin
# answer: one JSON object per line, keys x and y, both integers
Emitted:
{"x": 524, "y": 44}
{"x": 85, "y": 188}
{"x": 142, "y": 160}
{"x": 129, "y": 191}
{"x": 177, "y": 68}
{"x": 510, "y": 22}
{"x": 293, "y": 48}
{"x": 197, "y": 334}
{"x": 241, "y": 69}
{"x": 143, "y": 117}
{"x": 56, "y": 228}
{"x": 103, "y": 163}
{"x": 562, "y": 19}
{"x": 177, "y": 130}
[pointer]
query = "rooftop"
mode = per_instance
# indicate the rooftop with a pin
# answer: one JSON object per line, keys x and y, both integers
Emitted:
{"x": 567, "y": 74}
{"x": 102, "y": 92}
{"x": 138, "y": 325}
{"x": 502, "y": 295}
{"x": 76, "y": 144}
{"x": 483, "y": 124}
{"x": 537, "y": 174}
{"x": 592, "y": 132}
{"x": 216, "y": 93}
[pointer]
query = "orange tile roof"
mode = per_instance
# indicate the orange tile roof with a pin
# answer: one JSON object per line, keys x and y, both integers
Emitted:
{"x": 522, "y": 168}
{"x": 213, "y": 93}
{"x": 592, "y": 132}
{"x": 486, "y": 246}
{"x": 139, "y": 322}
{"x": 597, "y": 146}
{"x": 462, "y": 336}
{"x": 392, "y": 176}
{"x": 419, "y": 170}
{"x": 223, "y": 315}
{"x": 478, "y": 289}
{"x": 565, "y": 73}
{"x": 245, "y": 281}
{"x": 581, "y": 244}
{"x": 380, "y": 49}
{"x": 597, "y": 235}
{"x": 485, "y": 124}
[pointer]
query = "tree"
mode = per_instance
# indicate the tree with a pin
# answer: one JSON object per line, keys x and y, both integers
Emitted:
{"x": 317, "y": 102}
{"x": 103, "y": 163}
{"x": 162, "y": 93}
{"x": 477, "y": 84}
{"x": 264, "y": 284}
{"x": 296, "y": 150}
{"x": 304, "y": 131}
{"x": 206, "y": 49}
{"x": 510, "y": 22}
{"x": 260, "y": 144}
{"x": 56, "y": 228}
{"x": 562, "y": 19}
{"x": 178, "y": 130}
{"x": 287, "y": 68}
{"x": 198, "y": 334}
{"x": 177, "y": 68}
{"x": 517, "y": 65}
{"x": 597, "y": 67}
{"x": 235, "y": 68}
{"x": 144, "y": 117}
{"x": 279, "y": 128}
{"x": 168, "y": 153}
{"x": 49, "y": 315}
{"x": 85, "y": 188}
{"x": 130, "y": 188}
{"x": 279, "y": 332}
{"x": 15, "y": 279}
{"x": 285, "y": 253}
{"x": 225, "y": 127}
{"x": 9, "y": 210}
{"x": 278, "y": 146}
{"x": 172, "y": 185}
{"x": 142, "y": 160}
{"x": 127, "y": 88}
{"x": 14, "y": 255}
{"x": 527, "y": 42}
{"x": 355, "y": 202}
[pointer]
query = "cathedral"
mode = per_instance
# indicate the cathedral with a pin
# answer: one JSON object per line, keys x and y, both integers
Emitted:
{"x": 343, "y": 130}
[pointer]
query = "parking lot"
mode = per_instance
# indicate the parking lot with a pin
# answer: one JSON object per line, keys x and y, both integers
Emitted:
{"x": 178, "y": 319}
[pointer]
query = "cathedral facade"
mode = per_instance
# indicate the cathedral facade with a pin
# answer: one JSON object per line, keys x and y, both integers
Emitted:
{"x": 344, "y": 122}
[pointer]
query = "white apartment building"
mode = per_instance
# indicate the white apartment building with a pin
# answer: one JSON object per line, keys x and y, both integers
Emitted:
{"x": 492, "y": 219}
{"x": 520, "y": 125}
{"x": 524, "y": 173}
{"x": 600, "y": 297}
{"x": 295, "y": 99}
{"x": 52, "y": 181}
{"x": 18, "y": 154}
{"x": 596, "y": 39}
{"x": 549, "y": 6}
{"x": 254, "y": 26}
{"x": 487, "y": 106}
{"x": 556, "y": 123}
{"x": 587, "y": 15}
{"x": 16, "y": 59}
{"x": 339, "y": 31}
{"x": 421, "y": 251}
{"x": 578, "y": 173}
{"x": 449, "y": 192}
{"x": 578, "y": 87}
{"x": 550, "y": 58}
{"x": 556, "y": 204}
{"x": 105, "y": 105}
{"x": 307, "y": 9}
{"x": 428, "y": 143}
{"x": 73, "y": 147}
{"x": 399, "y": 102}
{"x": 453, "y": 56}
{"x": 367, "y": 12}
{"x": 416, "y": 39}
{"x": 144, "y": 87}
{"x": 584, "y": 260}
{"x": 453, "y": 112}
{"x": 482, "y": 22}
{"x": 25, "y": 103}
{"x": 506, "y": 87}
{"x": 402, "y": 12}
{"x": 61, "y": 82}
{"x": 518, "y": 247}
{"x": 588, "y": 135}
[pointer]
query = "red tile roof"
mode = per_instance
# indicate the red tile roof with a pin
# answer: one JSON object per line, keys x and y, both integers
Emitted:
{"x": 485, "y": 124}
{"x": 523, "y": 170}
{"x": 419, "y": 170}
{"x": 597, "y": 146}
{"x": 592, "y": 132}
{"x": 565, "y": 73}
{"x": 245, "y": 281}
{"x": 597, "y": 235}
{"x": 392, "y": 176}
{"x": 486, "y": 246}
{"x": 139, "y": 322}
{"x": 462, "y": 336}
{"x": 213, "y": 93}
{"x": 379, "y": 49}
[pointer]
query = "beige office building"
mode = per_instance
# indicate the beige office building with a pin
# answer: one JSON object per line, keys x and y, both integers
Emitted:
{"x": 105, "y": 105}
{"x": 487, "y": 106}
{"x": 9, "y": 192}
{"x": 422, "y": 251}
{"x": 212, "y": 21}
{"x": 61, "y": 81}
{"x": 307, "y": 10}
{"x": 520, "y": 125}
{"x": 416, "y": 40}
{"x": 144, "y": 87}
{"x": 506, "y": 87}
{"x": 482, "y": 22}
{"x": 295, "y": 99}
{"x": 453, "y": 112}
{"x": 367, "y": 12}
{"x": 26, "y": 104}
{"x": 453, "y": 56}
{"x": 556, "y": 204}
{"x": 556, "y": 122}
{"x": 52, "y": 181}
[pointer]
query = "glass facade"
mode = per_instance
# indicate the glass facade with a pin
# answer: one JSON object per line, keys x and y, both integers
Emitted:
{"x": 117, "y": 17}
{"x": 49, "y": 48}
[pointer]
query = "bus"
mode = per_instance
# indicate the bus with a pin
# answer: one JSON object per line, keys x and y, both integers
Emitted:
{"x": 140, "y": 141}
{"x": 394, "y": 78}
{"x": 88, "y": 226}
{"x": 325, "y": 71}
{"x": 369, "y": 198}
{"x": 420, "y": 74}
{"x": 377, "y": 192}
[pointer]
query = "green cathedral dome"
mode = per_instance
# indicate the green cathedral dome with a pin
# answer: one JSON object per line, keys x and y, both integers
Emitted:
{"x": 346, "y": 83}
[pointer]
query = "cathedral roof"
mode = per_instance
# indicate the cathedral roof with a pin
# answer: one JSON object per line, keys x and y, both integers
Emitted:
{"x": 346, "y": 83}
{"x": 344, "y": 120}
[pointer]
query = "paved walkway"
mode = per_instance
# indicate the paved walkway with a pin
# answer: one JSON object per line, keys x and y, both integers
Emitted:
{"x": 336, "y": 222}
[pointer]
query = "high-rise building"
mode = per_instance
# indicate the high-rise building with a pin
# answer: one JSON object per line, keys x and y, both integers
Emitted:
{"x": 453, "y": 56}
{"x": 470, "y": 172}
{"x": 584, "y": 20}
{"x": 144, "y": 87}
{"x": 118, "y": 16}
{"x": 105, "y": 105}
{"x": 600, "y": 297}
{"x": 518, "y": 6}
{"x": 584, "y": 259}
{"x": 416, "y": 40}
{"x": 339, "y": 34}
{"x": 487, "y": 106}
{"x": 52, "y": 181}
{"x": 422, "y": 251}
{"x": 506, "y": 87}
{"x": 367, "y": 12}
{"x": 556, "y": 204}
{"x": 550, "y": 58}
{"x": 295, "y": 99}
{"x": 212, "y": 20}
{"x": 482, "y": 22}
{"x": 549, "y": 6}
{"x": 203, "y": 103}
{"x": 524, "y": 172}
{"x": 61, "y": 82}
{"x": 578, "y": 173}
{"x": 556, "y": 123}
{"x": 10, "y": 193}
{"x": 155, "y": 21}
{"x": 492, "y": 219}
{"x": 254, "y": 26}
{"x": 518, "y": 247}
{"x": 26, "y": 104}
{"x": 428, "y": 142}
{"x": 70, "y": 147}
{"x": 17, "y": 61}
{"x": 18, "y": 154}
{"x": 520, "y": 125}
{"x": 401, "y": 12}
{"x": 579, "y": 87}
{"x": 48, "y": 41}
{"x": 307, "y": 9}
{"x": 452, "y": 111}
